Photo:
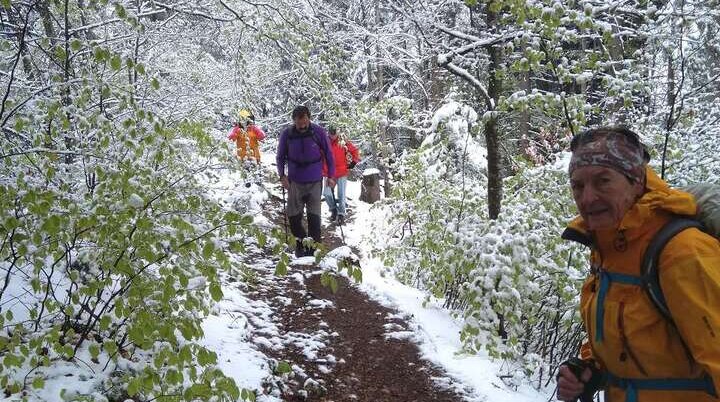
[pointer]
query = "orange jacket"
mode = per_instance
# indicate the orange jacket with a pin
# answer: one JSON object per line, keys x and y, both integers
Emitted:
{"x": 340, "y": 156}
{"x": 637, "y": 342}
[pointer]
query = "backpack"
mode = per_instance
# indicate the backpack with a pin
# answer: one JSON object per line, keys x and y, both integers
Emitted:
{"x": 348, "y": 155}
{"x": 707, "y": 197}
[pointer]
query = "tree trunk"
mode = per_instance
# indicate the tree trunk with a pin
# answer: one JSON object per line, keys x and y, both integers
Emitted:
{"x": 18, "y": 20}
{"x": 524, "y": 118}
{"x": 370, "y": 188}
{"x": 384, "y": 157}
{"x": 492, "y": 140}
{"x": 671, "y": 108}
{"x": 47, "y": 19}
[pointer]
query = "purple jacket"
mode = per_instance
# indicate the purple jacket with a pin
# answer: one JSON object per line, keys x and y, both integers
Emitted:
{"x": 304, "y": 154}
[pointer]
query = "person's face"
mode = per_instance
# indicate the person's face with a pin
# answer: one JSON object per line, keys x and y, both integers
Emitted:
{"x": 333, "y": 136}
{"x": 603, "y": 195}
{"x": 302, "y": 123}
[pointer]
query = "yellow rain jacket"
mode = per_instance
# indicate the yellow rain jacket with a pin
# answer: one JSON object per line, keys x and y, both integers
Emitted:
{"x": 628, "y": 337}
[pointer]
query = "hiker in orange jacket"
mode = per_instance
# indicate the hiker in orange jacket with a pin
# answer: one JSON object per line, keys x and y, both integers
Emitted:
{"x": 633, "y": 351}
{"x": 246, "y": 134}
{"x": 346, "y": 156}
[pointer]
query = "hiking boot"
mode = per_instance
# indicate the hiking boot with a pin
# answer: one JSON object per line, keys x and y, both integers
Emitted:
{"x": 341, "y": 220}
{"x": 333, "y": 215}
{"x": 299, "y": 249}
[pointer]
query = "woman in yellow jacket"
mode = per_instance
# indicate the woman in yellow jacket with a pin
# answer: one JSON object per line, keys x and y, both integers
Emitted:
{"x": 633, "y": 352}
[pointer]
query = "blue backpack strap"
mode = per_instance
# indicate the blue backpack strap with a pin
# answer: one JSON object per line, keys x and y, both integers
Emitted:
{"x": 632, "y": 385}
{"x": 649, "y": 268}
{"x": 606, "y": 279}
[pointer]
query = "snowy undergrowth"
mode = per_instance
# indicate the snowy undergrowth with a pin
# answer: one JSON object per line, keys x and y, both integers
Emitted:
{"x": 512, "y": 280}
{"x": 434, "y": 328}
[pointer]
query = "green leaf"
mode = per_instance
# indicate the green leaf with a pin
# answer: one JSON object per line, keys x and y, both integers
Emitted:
{"x": 60, "y": 53}
{"x": 216, "y": 291}
{"x": 185, "y": 355}
{"x": 6, "y": 3}
{"x": 333, "y": 284}
{"x": 206, "y": 357}
{"x": 197, "y": 391}
{"x": 38, "y": 383}
{"x": 155, "y": 83}
{"x": 99, "y": 54}
{"x": 68, "y": 351}
{"x": 11, "y": 360}
{"x": 357, "y": 275}
{"x": 69, "y": 310}
{"x": 104, "y": 322}
{"x": 120, "y": 10}
{"x": 324, "y": 279}
{"x": 116, "y": 62}
{"x": 148, "y": 383}
{"x": 133, "y": 387}
{"x": 51, "y": 225}
{"x": 283, "y": 368}
{"x": 495, "y": 6}
{"x": 94, "y": 350}
{"x": 237, "y": 246}
{"x": 208, "y": 249}
{"x": 281, "y": 268}
{"x": 110, "y": 347}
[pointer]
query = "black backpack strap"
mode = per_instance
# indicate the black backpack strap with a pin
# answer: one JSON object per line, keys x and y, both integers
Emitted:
{"x": 311, "y": 133}
{"x": 649, "y": 269}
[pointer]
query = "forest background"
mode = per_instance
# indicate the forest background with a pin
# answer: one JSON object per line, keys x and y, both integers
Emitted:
{"x": 113, "y": 118}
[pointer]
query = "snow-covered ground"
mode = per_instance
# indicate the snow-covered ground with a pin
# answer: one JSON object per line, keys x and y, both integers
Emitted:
{"x": 433, "y": 328}
{"x": 232, "y": 328}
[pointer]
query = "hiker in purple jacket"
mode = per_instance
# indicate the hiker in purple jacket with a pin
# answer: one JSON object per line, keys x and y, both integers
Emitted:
{"x": 304, "y": 147}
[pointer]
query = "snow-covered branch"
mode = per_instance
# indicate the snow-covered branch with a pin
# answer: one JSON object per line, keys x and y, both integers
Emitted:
{"x": 464, "y": 74}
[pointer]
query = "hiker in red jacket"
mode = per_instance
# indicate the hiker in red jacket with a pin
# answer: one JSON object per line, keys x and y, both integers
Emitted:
{"x": 346, "y": 156}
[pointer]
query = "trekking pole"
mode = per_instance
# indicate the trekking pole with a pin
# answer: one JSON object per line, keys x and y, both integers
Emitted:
{"x": 285, "y": 222}
{"x": 342, "y": 234}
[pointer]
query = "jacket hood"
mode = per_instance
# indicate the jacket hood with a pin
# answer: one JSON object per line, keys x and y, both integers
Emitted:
{"x": 658, "y": 196}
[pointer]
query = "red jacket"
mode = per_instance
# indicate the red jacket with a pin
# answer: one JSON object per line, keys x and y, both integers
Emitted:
{"x": 340, "y": 153}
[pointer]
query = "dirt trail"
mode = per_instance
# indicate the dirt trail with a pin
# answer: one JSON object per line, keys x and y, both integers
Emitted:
{"x": 342, "y": 346}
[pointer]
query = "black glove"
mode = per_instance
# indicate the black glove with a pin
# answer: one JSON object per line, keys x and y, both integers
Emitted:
{"x": 596, "y": 382}
{"x": 351, "y": 164}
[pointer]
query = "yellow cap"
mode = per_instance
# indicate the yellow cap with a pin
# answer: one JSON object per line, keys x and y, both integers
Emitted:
{"x": 244, "y": 114}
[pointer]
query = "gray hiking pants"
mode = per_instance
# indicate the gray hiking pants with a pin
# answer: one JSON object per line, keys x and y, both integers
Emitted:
{"x": 306, "y": 196}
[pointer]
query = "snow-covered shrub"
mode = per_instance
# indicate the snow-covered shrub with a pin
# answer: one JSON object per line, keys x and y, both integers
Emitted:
{"x": 513, "y": 280}
{"x": 110, "y": 248}
{"x": 110, "y": 262}
{"x": 525, "y": 280}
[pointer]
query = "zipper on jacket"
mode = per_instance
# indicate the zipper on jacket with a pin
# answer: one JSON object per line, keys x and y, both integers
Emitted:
{"x": 627, "y": 351}
{"x": 592, "y": 313}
